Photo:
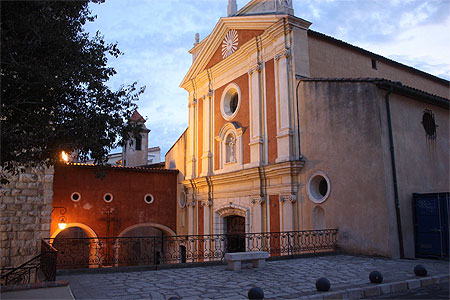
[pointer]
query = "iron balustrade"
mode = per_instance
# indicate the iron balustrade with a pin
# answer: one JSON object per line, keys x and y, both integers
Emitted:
{"x": 40, "y": 268}
{"x": 153, "y": 250}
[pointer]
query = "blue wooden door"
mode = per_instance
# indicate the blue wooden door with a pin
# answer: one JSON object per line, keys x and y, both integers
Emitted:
{"x": 431, "y": 222}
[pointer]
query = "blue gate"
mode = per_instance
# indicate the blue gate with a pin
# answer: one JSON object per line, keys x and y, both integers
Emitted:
{"x": 431, "y": 224}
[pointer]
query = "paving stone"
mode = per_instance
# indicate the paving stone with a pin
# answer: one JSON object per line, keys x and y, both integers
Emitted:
{"x": 371, "y": 291}
{"x": 355, "y": 293}
{"x": 385, "y": 288}
{"x": 426, "y": 281}
{"x": 413, "y": 284}
{"x": 399, "y": 286}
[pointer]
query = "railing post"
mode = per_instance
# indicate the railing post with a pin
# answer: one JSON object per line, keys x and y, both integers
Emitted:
{"x": 154, "y": 250}
{"x": 162, "y": 249}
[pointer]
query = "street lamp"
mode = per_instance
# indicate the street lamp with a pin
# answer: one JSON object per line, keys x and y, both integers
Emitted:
{"x": 62, "y": 223}
{"x": 64, "y": 156}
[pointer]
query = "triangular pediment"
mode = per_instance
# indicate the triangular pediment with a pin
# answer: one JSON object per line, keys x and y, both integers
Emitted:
{"x": 211, "y": 46}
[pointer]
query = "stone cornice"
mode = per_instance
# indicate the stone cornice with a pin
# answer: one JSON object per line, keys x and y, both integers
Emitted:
{"x": 273, "y": 170}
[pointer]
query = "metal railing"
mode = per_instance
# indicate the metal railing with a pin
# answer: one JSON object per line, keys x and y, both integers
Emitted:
{"x": 40, "y": 268}
{"x": 131, "y": 251}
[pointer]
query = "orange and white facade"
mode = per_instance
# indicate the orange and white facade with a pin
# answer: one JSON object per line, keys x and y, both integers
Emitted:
{"x": 245, "y": 152}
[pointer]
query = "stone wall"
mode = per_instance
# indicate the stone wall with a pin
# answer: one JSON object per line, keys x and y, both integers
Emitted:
{"x": 25, "y": 215}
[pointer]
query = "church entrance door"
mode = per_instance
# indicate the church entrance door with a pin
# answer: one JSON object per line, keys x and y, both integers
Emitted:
{"x": 235, "y": 233}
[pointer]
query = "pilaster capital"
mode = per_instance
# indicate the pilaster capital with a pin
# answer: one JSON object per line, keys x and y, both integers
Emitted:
{"x": 210, "y": 93}
{"x": 191, "y": 203}
{"x": 285, "y": 53}
{"x": 290, "y": 197}
{"x": 256, "y": 68}
{"x": 192, "y": 103}
{"x": 258, "y": 200}
{"x": 206, "y": 203}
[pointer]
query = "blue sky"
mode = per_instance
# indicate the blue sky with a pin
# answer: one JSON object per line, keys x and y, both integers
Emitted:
{"x": 156, "y": 36}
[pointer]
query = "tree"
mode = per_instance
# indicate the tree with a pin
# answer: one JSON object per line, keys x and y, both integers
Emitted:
{"x": 54, "y": 95}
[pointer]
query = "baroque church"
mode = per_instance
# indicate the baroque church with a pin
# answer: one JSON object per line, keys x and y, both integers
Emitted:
{"x": 291, "y": 129}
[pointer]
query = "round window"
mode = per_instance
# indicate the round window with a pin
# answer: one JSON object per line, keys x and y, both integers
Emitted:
{"x": 108, "y": 197}
{"x": 182, "y": 200}
{"x": 149, "y": 198}
{"x": 230, "y": 102}
{"x": 429, "y": 124}
{"x": 75, "y": 197}
{"x": 318, "y": 187}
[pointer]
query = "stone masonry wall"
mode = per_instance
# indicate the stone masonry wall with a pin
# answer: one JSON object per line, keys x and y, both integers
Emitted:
{"x": 25, "y": 215}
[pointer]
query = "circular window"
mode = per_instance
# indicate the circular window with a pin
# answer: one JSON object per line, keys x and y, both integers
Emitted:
{"x": 182, "y": 200}
{"x": 108, "y": 197}
{"x": 75, "y": 197}
{"x": 318, "y": 187}
{"x": 230, "y": 101}
{"x": 429, "y": 123}
{"x": 149, "y": 198}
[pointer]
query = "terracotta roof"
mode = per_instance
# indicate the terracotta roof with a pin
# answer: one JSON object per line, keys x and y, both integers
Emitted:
{"x": 374, "y": 55}
{"x": 383, "y": 83}
{"x": 113, "y": 167}
{"x": 137, "y": 117}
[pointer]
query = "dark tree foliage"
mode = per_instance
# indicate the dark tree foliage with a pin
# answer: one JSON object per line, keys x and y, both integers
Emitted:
{"x": 53, "y": 85}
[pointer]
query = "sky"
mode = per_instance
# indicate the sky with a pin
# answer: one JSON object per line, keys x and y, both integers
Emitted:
{"x": 155, "y": 37}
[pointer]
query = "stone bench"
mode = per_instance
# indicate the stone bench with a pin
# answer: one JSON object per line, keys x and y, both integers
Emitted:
{"x": 234, "y": 259}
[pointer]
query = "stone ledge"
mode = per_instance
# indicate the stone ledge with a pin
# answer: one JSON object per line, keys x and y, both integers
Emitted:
{"x": 36, "y": 285}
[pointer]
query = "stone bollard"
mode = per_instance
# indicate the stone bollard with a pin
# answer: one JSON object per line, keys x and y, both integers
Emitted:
{"x": 255, "y": 293}
{"x": 375, "y": 277}
{"x": 323, "y": 284}
{"x": 420, "y": 270}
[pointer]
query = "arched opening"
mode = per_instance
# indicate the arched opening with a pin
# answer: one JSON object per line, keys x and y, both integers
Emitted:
{"x": 318, "y": 218}
{"x": 74, "y": 248}
{"x": 235, "y": 233}
{"x": 143, "y": 244}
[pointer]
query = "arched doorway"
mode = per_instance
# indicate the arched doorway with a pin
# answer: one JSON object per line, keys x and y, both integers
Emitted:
{"x": 142, "y": 244}
{"x": 235, "y": 233}
{"x": 74, "y": 248}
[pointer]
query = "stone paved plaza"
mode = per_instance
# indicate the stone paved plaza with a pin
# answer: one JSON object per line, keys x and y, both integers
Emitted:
{"x": 291, "y": 278}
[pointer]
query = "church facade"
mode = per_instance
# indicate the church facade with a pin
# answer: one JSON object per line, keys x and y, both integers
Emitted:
{"x": 290, "y": 129}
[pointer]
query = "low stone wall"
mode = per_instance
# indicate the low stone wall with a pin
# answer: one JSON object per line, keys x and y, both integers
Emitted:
{"x": 25, "y": 215}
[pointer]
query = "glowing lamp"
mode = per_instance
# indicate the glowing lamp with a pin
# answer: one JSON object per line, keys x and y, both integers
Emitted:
{"x": 62, "y": 223}
{"x": 64, "y": 156}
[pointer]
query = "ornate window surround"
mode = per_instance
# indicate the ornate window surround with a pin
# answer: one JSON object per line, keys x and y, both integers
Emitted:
{"x": 238, "y": 163}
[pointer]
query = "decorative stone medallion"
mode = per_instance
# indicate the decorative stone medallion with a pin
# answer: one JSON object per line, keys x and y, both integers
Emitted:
{"x": 230, "y": 43}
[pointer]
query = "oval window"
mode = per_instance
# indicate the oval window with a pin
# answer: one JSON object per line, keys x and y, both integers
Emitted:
{"x": 429, "y": 124}
{"x": 318, "y": 187}
{"x": 230, "y": 102}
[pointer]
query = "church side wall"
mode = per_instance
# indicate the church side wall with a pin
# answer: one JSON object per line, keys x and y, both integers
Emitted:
{"x": 25, "y": 213}
{"x": 341, "y": 137}
{"x": 329, "y": 60}
{"x": 422, "y": 163}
